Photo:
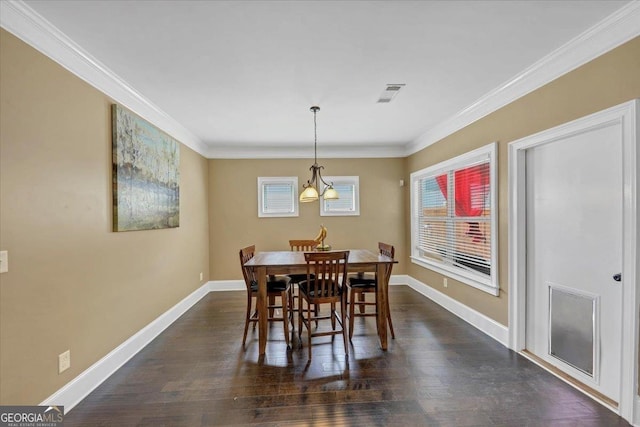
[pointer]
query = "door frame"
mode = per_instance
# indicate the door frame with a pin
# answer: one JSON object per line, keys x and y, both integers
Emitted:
{"x": 628, "y": 114}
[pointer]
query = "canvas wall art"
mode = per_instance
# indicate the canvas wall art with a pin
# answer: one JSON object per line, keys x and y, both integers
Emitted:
{"x": 146, "y": 174}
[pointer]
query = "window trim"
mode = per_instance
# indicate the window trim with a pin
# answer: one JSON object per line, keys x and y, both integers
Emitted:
{"x": 291, "y": 180}
{"x": 489, "y": 285}
{"x": 350, "y": 180}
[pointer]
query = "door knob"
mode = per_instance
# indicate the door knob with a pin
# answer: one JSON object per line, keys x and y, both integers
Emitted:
{"x": 617, "y": 277}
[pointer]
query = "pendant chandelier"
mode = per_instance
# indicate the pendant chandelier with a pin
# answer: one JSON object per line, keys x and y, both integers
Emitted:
{"x": 310, "y": 192}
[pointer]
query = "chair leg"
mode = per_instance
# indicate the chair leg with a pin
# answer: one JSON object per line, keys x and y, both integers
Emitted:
{"x": 284, "y": 296}
{"x": 343, "y": 313}
{"x": 293, "y": 297}
{"x": 393, "y": 334}
{"x": 333, "y": 316}
{"x": 254, "y": 316}
{"x": 308, "y": 325}
{"x": 292, "y": 310}
{"x": 246, "y": 320}
{"x": 361, "y": 299}
{"x": 300, "y": 320}
{"x": 352, "y": 301}
{"x": 272, "y": 302}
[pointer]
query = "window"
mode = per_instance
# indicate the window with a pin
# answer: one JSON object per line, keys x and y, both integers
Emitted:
{"x": 453, "y": 224}
{"x": 349, "y": 202}
{"x": 277, "y": 196}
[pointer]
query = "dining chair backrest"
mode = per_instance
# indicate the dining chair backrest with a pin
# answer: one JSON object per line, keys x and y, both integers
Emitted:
{"x": 303, "y": 245}
{"x": 387, "y": 250}
{"x": 330, "y": 271}
{"x": 245, "y": 255}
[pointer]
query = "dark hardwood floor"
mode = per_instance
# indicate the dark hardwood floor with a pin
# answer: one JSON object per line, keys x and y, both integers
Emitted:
{"x": 439, "y": 371}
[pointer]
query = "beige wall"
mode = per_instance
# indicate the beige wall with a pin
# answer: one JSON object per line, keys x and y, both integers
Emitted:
{"x": 233, "y": 209}
{"x": 73, "y": 283}
{"x": 604, "y": 82}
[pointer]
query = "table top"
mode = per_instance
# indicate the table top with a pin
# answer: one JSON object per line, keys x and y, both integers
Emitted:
{"x": 294, "y": 258}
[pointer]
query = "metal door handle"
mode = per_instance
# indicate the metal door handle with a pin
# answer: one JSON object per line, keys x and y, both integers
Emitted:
{"x": 617, "y": 277}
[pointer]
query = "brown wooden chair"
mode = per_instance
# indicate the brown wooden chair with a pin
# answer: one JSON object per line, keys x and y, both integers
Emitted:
{"x": 277, "y": 286}
{"x": 361, "y": 285}
{"x": 301, "y": 245}
{"x": 328, "y": 286}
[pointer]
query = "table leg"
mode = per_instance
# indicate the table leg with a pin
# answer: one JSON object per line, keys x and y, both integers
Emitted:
{"x": 382, "y": 293}
{"x": 262, "y": 309}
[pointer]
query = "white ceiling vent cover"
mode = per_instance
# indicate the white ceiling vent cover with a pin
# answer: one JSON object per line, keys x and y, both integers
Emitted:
{"x": 390, "y": 92}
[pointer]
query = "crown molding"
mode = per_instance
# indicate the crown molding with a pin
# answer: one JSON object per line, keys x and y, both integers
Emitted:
{"x": 618, "y": 28}
{"x": 22, "y": 21}
{"x": 304, "y": 151}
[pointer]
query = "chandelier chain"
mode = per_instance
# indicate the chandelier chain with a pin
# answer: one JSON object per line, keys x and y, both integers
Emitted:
{"x": 315, "y": 137}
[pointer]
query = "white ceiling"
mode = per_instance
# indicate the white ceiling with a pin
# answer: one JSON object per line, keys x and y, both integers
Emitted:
{"x": 240, "y": 76}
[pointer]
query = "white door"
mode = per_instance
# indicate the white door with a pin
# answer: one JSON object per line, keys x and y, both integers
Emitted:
{"x": 574, "y": 248}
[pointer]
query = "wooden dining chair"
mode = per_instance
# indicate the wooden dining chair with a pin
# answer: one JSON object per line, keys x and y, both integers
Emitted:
{"x": 277, "y": 286}
{"x": 299, "y": 245}
{"x": 327, "y": 286}
{"x": 361, "y": 285}
{"x": 303, "y": 245}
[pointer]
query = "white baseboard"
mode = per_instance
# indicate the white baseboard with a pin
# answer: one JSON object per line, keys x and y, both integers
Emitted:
{"x": 77, "y": 389}
{"x": 495, "y": 330}
{"x": 398, "y": 279}
{"x": 227, "y": 285}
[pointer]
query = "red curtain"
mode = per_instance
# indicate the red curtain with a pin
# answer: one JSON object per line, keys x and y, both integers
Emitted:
{"x": 465, "y": 180}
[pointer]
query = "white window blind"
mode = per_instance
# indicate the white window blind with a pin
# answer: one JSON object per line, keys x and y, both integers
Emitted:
{"x": 348, "y": 203}
{"x": 277, "y": 196}
{"x": 453, "y": 220}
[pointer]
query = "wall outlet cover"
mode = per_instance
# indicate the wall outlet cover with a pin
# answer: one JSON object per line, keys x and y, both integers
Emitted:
{"x": 4, "y": 261}
{"x": 64, "y": 361}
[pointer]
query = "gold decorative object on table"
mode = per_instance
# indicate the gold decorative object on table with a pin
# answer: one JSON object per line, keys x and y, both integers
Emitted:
{"x": 322, "y": 234}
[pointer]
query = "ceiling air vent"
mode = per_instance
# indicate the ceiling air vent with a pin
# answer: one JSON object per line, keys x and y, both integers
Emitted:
{"x": 389, "y": 92}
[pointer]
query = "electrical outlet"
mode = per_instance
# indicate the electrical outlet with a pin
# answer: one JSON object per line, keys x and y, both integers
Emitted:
{"x": 201, "y": 276}
{"x": 64, "y": 361}
{"x": 444, "y": 282}
{"x": 4, "y": 261}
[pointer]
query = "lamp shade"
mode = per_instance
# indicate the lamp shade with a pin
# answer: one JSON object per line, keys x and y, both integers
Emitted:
{"x": 330, "y": 194}
{"x": 309, "y": 194}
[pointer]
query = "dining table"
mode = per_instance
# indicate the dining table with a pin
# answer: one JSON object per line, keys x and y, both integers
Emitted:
{"x": 293, "y": 262}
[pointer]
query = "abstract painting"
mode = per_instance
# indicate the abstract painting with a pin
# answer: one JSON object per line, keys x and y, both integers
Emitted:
{"x": 146, "y": 174}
